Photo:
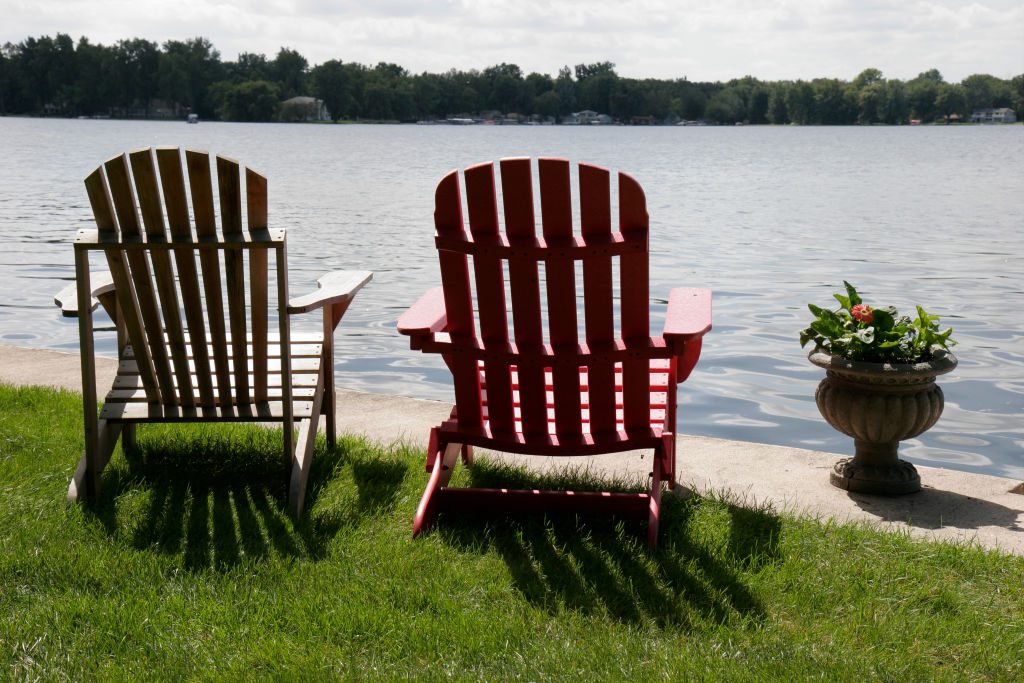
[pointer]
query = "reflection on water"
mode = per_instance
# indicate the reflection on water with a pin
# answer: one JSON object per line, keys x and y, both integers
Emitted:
{"x": 770, "y": 218}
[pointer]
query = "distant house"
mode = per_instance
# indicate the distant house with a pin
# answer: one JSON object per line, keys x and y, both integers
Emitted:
{"x": 1001, "y": 115}
{"x": 586, "y": 117}
{"x": 304, "y": 108}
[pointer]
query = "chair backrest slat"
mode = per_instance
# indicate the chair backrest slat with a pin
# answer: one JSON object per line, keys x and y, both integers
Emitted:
{"x": 256, "y": 210}
{"x": 635, "y": 308}
{"x": 181, "y": 347}
{"x": 123, "y": 195}
{"x": 201, "y": 186}
{"x": 173, "y": 183}
{"x": 490, "y": 294}
{"x": 231, "y": 224}
{"x": 556, "y": 213}
{"x": 524, "y": 285}
{"x": 104, "y": 213}
{"x": 585, "y": 382}
{"x": 146, "y": 185}
{"x": 595, "y": 223}
{"x": 458, "y": 300}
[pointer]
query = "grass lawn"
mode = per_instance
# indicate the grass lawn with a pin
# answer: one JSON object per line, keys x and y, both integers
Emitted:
{"x": 190, "y": 567}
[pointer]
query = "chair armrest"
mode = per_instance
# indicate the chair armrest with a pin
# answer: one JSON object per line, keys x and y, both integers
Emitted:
{"x": 687, "y": 321}
{"x": 689, "y": 314}
{"x": 67, "y": 298}
{"x": 426, "y": 316}
{"x": 333, "y": 288}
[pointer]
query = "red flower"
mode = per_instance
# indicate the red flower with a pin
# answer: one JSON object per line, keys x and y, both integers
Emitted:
{"x": 863, "y": 313}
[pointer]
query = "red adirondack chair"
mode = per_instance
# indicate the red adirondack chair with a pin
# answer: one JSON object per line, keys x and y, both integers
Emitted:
{"x": 516, "y": 391}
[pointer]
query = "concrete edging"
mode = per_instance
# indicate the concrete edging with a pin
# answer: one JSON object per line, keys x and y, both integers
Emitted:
{"x": 954, "y": 506}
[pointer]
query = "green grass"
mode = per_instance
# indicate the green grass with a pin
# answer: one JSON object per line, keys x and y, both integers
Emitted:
{"x": 189, "y": 567}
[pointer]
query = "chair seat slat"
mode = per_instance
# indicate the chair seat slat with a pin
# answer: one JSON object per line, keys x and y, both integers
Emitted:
{"x": 268, "y": 411}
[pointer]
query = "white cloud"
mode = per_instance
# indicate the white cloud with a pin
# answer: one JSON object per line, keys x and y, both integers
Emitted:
{"x": 657, "y": 38}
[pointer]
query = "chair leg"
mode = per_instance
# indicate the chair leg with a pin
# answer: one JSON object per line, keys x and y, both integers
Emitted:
{"x": 128, "y": 438}
{"x": 467, "y": 455}
{"x": 329, "y": 415}
{"x": 440, "y": 475}
{"x": 670, "y": 471}
{"x": 330, "y": 398}
{"x": 301, "y": 462}
{"x": 654, "y": 513}
{"x": 85, "y": 484}
{"x": 433, "y": 445}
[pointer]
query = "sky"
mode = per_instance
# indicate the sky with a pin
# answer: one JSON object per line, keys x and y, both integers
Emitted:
{"x": 703, "y": 40}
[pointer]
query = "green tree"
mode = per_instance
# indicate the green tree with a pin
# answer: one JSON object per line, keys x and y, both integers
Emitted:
{"x": 137, "y": 74}
{"x": 951, "y": 100}
{"x": 250, "y": 101}
{"x": 985, "y": 92}
{"x": 1016, "y": 91}
{"x": 547, "y": 104}
{"x": 921, "y": 97}
{"x": 725, "y": 106}
{"x": 870, "y": 102}
{"x": 289, "y": 72}
{"x": 757, "y": 104}
{"x": 867, "y": 77}
{"x": 332, "y": 84}
{"x": 594, "y": 86}
{"x": 800, "y": 102}
{"x": 95, "y": 86}
{"x": 894, "y": 108}
{"x": 426, "y": 91}
{"x": 186, "y": 71}
{"x": 249, "y": 67}
{"x": 777, "y": 112}
{"x": 565, "y": 86}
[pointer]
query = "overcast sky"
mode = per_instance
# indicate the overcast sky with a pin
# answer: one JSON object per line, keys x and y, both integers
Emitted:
{"x": 702, "y": 40}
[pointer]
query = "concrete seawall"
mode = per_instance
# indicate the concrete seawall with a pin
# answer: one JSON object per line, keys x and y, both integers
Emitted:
{"x": 954, "y": 506}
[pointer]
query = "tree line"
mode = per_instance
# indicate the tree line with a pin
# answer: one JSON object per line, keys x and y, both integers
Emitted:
{"x": 137, "y": 78}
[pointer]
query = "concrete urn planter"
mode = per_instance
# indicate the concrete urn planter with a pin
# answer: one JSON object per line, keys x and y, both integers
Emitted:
{"x": 879, "y": 405}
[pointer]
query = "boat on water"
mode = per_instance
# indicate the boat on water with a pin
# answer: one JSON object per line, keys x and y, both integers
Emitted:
{"x": 192, "y": 118}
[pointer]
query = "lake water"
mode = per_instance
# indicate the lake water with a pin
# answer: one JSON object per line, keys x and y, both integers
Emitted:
{"x": 770, "y": 218}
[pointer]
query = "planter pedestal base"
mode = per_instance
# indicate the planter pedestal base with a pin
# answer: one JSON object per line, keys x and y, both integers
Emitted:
{"x": 879, "y": 405}
{"x": 875, "y": 469}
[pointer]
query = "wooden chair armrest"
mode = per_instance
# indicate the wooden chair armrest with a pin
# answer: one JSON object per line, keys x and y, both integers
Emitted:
{"x": 689, "y": 314}
{"x": 687, "y": 321}
{"x": 333, "y": 288}
{"x": 426, "y": 316}
{"x": 67, "y": 298}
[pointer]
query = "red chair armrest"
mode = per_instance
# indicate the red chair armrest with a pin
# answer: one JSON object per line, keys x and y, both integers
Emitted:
{"x": 426, "y": 316}
{"x": 687, "y": 321}
{"x": 689, "y": 314}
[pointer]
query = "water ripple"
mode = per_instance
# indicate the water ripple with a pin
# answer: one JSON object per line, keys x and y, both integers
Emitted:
{"x": 769, "y": 218}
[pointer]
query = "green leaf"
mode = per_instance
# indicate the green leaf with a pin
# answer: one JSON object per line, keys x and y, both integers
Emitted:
{"x": 884, "y": 320}
{"x": 854, "y": 296}
{"x": 844, "y": 301}
{"x": 808, "y": 335}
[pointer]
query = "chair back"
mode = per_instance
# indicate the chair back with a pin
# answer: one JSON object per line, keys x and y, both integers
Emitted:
{"x": 197, "y": 341}
{"x": 562, "y": 381}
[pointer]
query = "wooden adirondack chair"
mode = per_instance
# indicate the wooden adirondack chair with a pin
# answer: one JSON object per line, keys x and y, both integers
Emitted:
{"x": 518, "y": 392}
{"x": 192, "y": 348}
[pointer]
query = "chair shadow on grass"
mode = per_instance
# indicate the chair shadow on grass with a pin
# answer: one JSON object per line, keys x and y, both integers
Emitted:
{"x": 220, "y": 498}
{"x": 598, "y": 564}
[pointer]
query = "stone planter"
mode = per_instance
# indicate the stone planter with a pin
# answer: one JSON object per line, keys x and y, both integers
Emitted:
{"x": 879, "y": 405}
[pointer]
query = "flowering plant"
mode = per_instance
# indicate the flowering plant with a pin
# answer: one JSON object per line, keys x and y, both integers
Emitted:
{"x": 857, "y": 331}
